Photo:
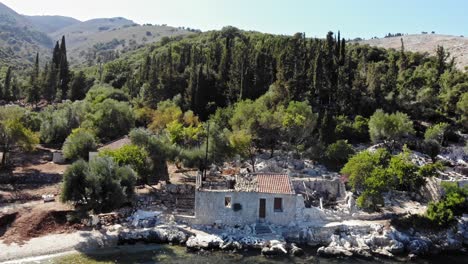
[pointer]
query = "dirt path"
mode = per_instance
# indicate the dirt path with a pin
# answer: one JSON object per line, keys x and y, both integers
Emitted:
{"x": 58, "y": 243}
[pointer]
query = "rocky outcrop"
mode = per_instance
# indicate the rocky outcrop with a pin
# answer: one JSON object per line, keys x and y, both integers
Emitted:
{"x": 345, "y": 240}
{"x": 365, "y": 241}
{"x": 161, "y": 234}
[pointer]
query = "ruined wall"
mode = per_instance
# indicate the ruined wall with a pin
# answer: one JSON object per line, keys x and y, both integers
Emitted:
{"x": 328, "y": 189}
{"x": 210, "y": 208}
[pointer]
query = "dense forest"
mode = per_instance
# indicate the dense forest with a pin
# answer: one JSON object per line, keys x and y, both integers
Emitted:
{"x": 246, "y": 92}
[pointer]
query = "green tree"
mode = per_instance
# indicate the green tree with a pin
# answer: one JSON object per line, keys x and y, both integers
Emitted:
{"x": 7, "y": 83}
{"x": 389, "y": 128}
{"x": 298, "y": 123}
{"x": 78, "y": 144}
{"x": 111, "y": 119}
{"x": 360, "y": 167}
{"x": 59, "y": 121}
{"x": 453, "y": 203}
{"x": 79, "y": 86}
{"x": 100, "y": 185}
{"x": 241, "y": 143}
{"x": 437, "y": 133}
{"x": 33, "y": 93}
{"x": 159, "y": 153}
{"x": 64, "y": 72}
{"x": 133, "y": 156}
{"x": 13, "y": 134}
{"x": 462, "y": 109}
{"x": 338, "y": 153}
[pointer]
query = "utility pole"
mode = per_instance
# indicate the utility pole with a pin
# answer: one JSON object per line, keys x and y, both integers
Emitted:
{"x": 206, "y": 151}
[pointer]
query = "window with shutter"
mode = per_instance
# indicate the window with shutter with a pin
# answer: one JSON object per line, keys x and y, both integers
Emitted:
{"x": 278, "y": 205}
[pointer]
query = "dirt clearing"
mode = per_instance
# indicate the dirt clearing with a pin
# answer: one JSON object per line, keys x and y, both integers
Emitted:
{"x": 23, "y": 224}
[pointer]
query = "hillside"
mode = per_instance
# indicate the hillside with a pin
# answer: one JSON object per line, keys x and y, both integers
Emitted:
{"x": 102, "y": 38}
{"x": 107, "y": 44}
{"x": 50, "y": 24}
{"x": 457, "y": 46}
{"x": 19, "y": 39}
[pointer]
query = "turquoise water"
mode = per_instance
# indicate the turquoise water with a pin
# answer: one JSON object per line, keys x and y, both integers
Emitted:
{"x": 148, "y": 254}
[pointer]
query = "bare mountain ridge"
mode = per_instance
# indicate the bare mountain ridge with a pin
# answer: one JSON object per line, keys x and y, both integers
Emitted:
{"x": 456, "y": 45}
{"x": 50, "y": 24}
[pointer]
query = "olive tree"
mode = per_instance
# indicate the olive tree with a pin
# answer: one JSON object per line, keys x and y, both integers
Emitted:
{"x": 78, "y": 144}
{"x": 389, "y": 128}
{"x": 100, "y": 185}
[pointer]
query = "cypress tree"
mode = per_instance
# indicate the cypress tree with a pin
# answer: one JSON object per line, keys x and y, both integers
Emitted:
{"x": 50, "y": 84}
{"x": 403, "y": 59}
{"x": 56, "y": 56}
{"x": 7, "y": 85}
{"x": 64, "y": 72}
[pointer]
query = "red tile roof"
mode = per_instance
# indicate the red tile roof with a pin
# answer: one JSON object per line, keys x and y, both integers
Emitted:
{"x": 274, "y": 183}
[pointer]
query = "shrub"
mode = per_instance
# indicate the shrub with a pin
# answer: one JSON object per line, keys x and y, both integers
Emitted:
{"x": 436, "y": 133}
{"x": 453, "y": 203}
{"x": 111, "y": 119}
{"x": 193, "y": 157}
{"x": 100, "y": 185}
{"x": 78, "y": 144}
{"x": 360, "y": 166}
{"x": 133, "y": 156}
{"x": 339, "y": 152}
{"x": 389, "y": 128}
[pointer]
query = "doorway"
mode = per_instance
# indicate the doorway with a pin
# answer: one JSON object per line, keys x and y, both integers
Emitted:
{"x": 262, "y": 208}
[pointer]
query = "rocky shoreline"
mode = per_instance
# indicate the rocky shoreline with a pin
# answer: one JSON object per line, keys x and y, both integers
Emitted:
{"x": 338, "y": 239}
{"x": 332, "y": 240}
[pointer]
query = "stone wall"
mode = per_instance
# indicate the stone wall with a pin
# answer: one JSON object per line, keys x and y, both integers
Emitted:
{"x": 327, "y": 189}
{"x": 210, "y": 207}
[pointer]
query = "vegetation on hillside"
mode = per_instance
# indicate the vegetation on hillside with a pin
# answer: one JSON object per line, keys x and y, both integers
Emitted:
{"x": 239, "y": 93}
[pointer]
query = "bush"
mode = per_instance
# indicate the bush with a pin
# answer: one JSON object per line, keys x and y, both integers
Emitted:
{"x": 454, "y": 203}
{"x": 100, "y": 185}
{"x": 357, "y": 131}
{"x": 389, "y": 128}
{"x": 58, "y": 122}
{"x": 360, "y": 166}
{"x": 111, "y": 119}
{"x": 338, "y": 153}
{"x": 133, "y": 156}
{"x": 436, "y": 133}
{"x": 78, "y": 144}
{"x": 193, "y": 157}
{"x": 99, "y": 93}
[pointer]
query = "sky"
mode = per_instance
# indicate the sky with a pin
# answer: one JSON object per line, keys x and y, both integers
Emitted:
{"x": 354, "y": 18}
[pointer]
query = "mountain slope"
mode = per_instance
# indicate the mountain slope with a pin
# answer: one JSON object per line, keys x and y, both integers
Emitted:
{"x": 78, "y": 32}
{"x": 106, "y": 45}
{"x": 50, "y": 24}
{"x": 457, "y": 46}
{"x": 19, "y": 39}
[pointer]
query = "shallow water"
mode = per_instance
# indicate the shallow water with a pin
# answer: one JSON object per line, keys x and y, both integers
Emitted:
{"x": 147, "y": 254}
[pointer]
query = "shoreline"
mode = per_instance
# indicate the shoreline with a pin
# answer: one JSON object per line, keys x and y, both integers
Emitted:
{"x": 346, "y": 239}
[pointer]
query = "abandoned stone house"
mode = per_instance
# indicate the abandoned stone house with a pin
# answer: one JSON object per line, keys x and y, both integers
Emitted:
{"x": 262, "y": 197}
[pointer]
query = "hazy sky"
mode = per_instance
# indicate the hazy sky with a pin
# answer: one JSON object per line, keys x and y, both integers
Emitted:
{"x": 355, "y": 18}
